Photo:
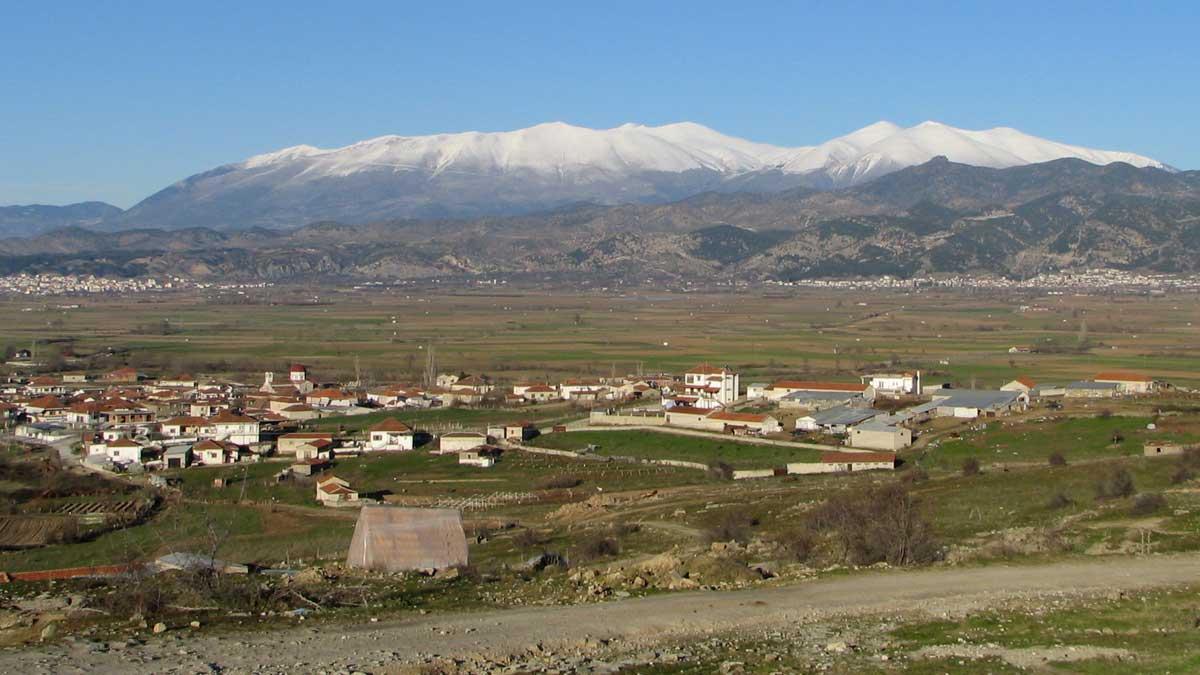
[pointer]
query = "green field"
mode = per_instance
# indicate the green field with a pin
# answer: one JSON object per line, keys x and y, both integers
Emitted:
{"x": 242, "y": 533}
{"x": 1077, "y": 439}
{"x": 957, "y": 337}
{"x": 421, "y": 474}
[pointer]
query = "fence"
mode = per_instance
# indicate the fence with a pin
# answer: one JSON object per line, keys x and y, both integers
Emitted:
{"x": 627, "y": 418}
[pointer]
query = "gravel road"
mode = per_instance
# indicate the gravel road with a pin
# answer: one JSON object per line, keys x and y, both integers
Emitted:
{"x": 376, "y": 647}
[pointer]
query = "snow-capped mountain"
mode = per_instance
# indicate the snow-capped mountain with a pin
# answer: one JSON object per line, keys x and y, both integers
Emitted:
{"x": 556, "y": 164}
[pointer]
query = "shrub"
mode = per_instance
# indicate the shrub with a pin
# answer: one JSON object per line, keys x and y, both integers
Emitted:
{"x": 730, "y": 526}
{"x": 800, "y": 543}
{"x": 598, "y": 546}
{"x": 1060, "y": 500}
{"x": 562, "y": 482}
{"x": 1182, "y": 474}
{"x": 1057, "y": 459}
{"x": 530, "y": 538}
{"x": 720, "y": 470}
{"x": 1146, "y": 504}
{"x": 1116, "y": 483}
{"x": 878, "y": 524}
{"x": 970, "y": 467}
{"x": 914, "y": 475}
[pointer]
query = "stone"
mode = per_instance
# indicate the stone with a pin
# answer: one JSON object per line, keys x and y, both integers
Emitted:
{"x": 49, "y": 631}
{"x": 837, "y": 647}
{"x": 160, "y": 628}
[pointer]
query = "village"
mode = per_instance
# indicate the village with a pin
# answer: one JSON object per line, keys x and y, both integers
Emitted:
{"x": 126, "y": 422}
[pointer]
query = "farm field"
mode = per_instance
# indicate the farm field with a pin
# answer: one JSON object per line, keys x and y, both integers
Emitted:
{"x": 1035, "y": 440}
{"x": 955, "y": 337}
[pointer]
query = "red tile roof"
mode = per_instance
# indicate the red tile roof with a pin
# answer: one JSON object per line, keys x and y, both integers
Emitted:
{"x": 724, "y": 416}
{"x": 393, "y": 425}
{"x": 1117, "y": 376}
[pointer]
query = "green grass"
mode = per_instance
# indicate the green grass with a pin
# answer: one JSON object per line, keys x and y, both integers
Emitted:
{"x": 652, "y": 445}
{"x": 1077, "y": 439}
{"x": 246, "y": 534}
{"x": 1158, "y": 627}
{"x": 421, "y": 474}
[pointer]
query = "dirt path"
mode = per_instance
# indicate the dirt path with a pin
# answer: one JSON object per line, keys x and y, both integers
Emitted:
{"x": 380, "y": 647}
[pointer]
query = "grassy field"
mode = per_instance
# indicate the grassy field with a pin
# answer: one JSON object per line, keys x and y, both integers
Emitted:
{"x": 1035, "y": 440}
{"x": 244, "y": 533}
{"x": 1158, "y": 628}
{"x": 651, "y": 445}
{"x": 956, "y": 337}
{"x": 420, "y": 474}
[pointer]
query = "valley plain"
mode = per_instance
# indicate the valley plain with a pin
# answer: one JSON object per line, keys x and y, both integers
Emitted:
{"x": 628, "y": 528}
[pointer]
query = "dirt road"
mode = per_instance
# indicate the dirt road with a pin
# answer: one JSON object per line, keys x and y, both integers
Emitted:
{"x": 381, "y": 646}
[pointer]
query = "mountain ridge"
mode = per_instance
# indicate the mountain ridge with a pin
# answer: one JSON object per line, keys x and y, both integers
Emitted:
{"x": 940, "y": 216}
{"x": 553, "y": 165}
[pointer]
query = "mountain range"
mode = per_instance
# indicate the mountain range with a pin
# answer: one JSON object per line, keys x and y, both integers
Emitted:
{"x": 938, "y": 216}
{"x": 544, "y": 167}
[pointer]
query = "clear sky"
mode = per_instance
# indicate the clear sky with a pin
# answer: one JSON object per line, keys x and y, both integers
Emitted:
{"x": 115, "y": 100}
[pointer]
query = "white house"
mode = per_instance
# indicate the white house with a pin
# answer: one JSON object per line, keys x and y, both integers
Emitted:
{"x": 124, "y": 451}
{"x": 239, "y": 429}
{"x": 709, "y": 383}
{"x": 1023, "y": 383}
{"x": 332, "y": 490}
{"x": 390, "y": 434}
{"x": 895, "y": 384}
{"x": 211, "y": 453}
{"x": 1128, "y": 383}
{"x": 456, "y": 441}
{"x": 875, "y": 435}
{"x": 184, "y": 426}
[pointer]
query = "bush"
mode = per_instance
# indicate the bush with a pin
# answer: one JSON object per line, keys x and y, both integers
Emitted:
{"x": 914, "y": 475}
{"x": 1115, "y": 484}
{"x": 877, "y": 524}
{"x": 598, "y": 546}
{"x": 1057, "y": 459}
{"x": 1060, "y": 500}
{"x": 799, "y": 543}
{"x": 1182, "y": 474}
{"x": 563, "y": 482}
{"x": 720, "y": 470}
{"x": 530, "y": 538}
{"x": 1148, "y": 503}
{"x": 970, "y": 467}
{"x": 730, "y": 526}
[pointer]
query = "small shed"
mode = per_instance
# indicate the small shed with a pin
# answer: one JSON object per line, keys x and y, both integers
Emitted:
{"x": 399, "y": 539}
{"x": 1161, "y": 449}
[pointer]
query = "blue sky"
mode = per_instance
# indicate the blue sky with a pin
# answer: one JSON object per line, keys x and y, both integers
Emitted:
{"x": 115, "y": 100}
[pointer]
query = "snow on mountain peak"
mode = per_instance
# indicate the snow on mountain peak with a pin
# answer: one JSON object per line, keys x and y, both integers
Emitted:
{"x": 564, "y": 150}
